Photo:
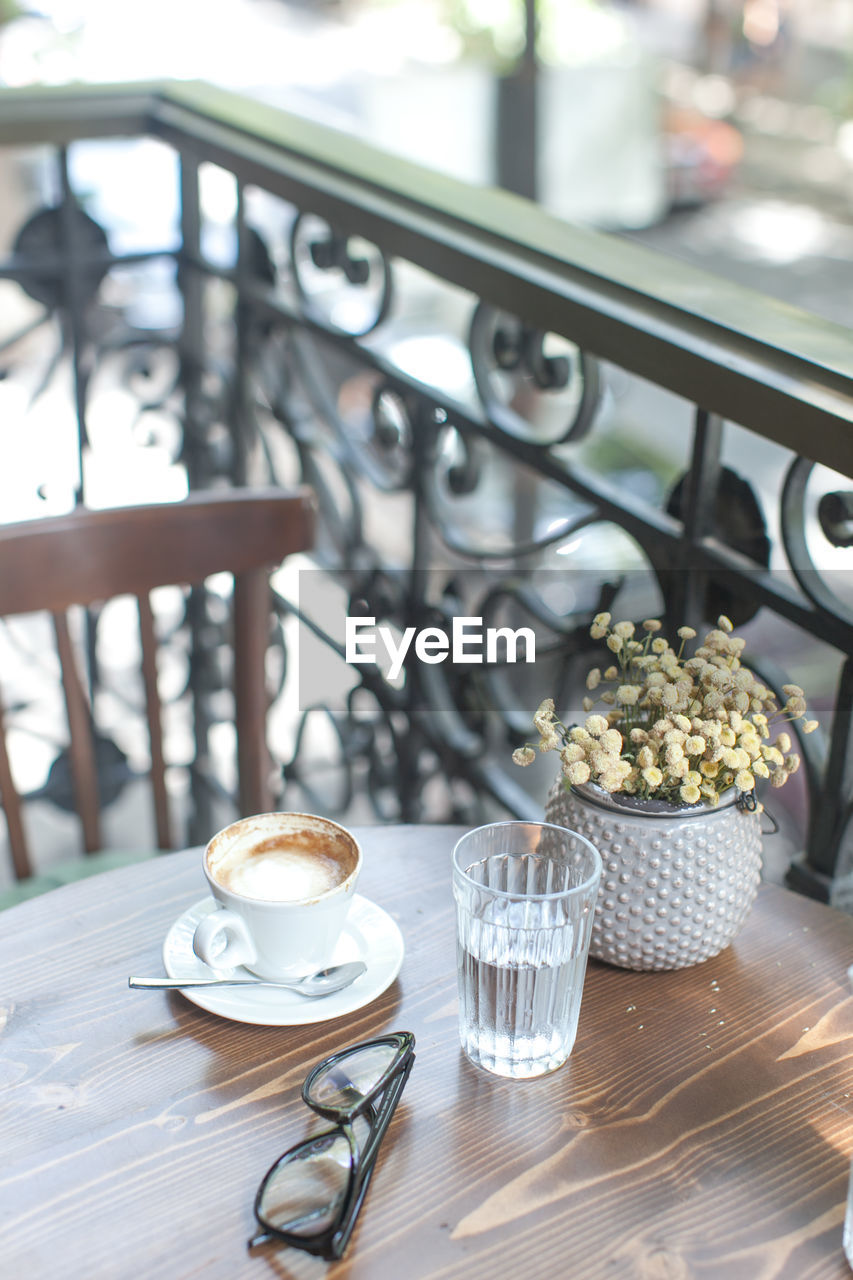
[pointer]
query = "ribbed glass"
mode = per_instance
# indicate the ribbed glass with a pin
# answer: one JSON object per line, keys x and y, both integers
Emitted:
{"x": 525, "y": 896}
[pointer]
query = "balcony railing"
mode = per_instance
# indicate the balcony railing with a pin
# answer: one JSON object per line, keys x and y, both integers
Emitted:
{"x": 504, "y": 417}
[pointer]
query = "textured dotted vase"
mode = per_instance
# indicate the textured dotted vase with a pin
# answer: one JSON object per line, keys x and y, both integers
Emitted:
{"x": 677, "y": 884}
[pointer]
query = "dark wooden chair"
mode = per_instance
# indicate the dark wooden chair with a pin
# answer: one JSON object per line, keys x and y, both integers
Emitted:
{"x": 89, "y": 557}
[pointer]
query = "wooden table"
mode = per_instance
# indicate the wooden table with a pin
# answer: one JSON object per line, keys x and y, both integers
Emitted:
{"x": 702, "y": 1127}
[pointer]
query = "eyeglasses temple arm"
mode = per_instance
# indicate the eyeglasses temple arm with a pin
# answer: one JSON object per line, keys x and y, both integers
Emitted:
{"x": 367, "y": 1160}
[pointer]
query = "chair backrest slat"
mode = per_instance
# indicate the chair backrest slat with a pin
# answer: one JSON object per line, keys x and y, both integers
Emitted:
{"x": 88, "y": 557}
{"x": 153, "y": 715}
{"x": 251, "y": 636}
{"x": 12, "y": 807}
{"x": 84, "y": 771}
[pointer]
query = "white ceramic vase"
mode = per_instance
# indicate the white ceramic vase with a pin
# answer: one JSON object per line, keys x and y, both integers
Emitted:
{"x": 677, "y": 884}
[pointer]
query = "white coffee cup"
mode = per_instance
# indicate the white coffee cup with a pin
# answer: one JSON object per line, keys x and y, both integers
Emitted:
{"x": 283, "y": 884}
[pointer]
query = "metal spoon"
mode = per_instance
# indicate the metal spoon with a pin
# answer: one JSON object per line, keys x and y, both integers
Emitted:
{"x": 315, "y": 985}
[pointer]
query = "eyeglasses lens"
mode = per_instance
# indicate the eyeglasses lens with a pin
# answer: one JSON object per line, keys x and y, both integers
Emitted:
{"x": 344, "y": 1083}
{"x": 304, "y": 1193}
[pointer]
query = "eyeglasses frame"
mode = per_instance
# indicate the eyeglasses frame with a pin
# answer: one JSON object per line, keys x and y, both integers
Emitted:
{"x": 332, "y": 1242}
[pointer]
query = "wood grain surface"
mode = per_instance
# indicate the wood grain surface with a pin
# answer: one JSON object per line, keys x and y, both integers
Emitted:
{"x": 702, "y": 1128}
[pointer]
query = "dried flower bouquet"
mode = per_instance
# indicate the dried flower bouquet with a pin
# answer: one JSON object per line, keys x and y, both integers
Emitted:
{"x": 681, "y": 729}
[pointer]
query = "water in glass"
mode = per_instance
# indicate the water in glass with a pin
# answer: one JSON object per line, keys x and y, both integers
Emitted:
{"x": 524, "y": 917}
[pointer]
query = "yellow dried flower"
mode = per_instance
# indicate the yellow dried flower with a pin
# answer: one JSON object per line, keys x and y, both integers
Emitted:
{"x": 687, "y": 633}
{"x": 596, "y": 726}
{"x": 652, "y": 776}
{"x": 659, "y": 645}
{"x": 783, "y": 741}
{"x": 611, "y": 741}
{"x": 610, "y": 781}
{"x": 523, "y": 756}
{"x": 628, "y": 694}
{"x": 614, "y": 643}
{"x": 724, "y": 623}
{"x": 544, "y": 714}
{"x": 571, "y": 753}
{"x": 578, "y": 773}
{"x": 624, "y": 629}
{"x": 652, "y": 624}
{"x": 602, "y": 620}
{"x": 690, "y": 793}
{"x": 593, "y": 680}
{"x": 809, "y": 726}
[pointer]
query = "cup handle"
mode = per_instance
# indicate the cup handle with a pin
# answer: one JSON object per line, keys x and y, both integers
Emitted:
{"x": 222, "y": 940}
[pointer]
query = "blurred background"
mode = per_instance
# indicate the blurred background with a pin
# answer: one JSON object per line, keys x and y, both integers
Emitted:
{"x": 718, "y": 131}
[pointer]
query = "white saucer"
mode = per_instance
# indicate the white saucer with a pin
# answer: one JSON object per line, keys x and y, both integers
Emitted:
{"x": 369, "y": 935}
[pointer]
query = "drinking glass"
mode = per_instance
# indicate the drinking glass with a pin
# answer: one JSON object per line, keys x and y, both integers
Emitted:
{"x": 525, "y": 899}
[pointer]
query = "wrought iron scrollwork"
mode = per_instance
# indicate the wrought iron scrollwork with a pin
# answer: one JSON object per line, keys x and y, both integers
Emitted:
{"x": 533, "y": 385}
{"x": 737, "y": 520}
{"x": 344, "y": 282}
{"x": 41, "y": 248}
{"x": 804, "y": 517}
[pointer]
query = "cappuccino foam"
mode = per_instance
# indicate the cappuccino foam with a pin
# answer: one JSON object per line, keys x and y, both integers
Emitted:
{"x": 282, "y": 865}
{"x": 282, "y": 875}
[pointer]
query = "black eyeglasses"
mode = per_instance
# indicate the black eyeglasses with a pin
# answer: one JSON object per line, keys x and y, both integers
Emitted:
{"x": 311, "y": 1196}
